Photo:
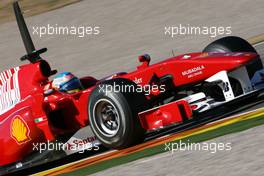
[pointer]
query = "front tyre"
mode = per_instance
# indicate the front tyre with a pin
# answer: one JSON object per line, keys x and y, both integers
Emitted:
{"x": 113, "y": 115}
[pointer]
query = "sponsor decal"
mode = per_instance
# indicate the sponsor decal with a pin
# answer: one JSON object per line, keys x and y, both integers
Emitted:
{"x": 19, "y": 130}
{"x": 138, "y": 80}
{"x": 9, "y": 89}
{"x": 82, "y": 140}
{"x": 204, "y": 55}
{"x": 38, "y": 120}
{"x": 186, "y": 57}
{"x": 78, "y": 144}
{"x": 192, "y": 72}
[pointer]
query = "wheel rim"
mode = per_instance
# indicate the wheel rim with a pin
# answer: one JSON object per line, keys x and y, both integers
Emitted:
{"x": 106, "y": 117}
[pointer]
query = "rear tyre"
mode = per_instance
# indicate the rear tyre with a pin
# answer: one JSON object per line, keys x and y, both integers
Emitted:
{"x": 113, "y": 115}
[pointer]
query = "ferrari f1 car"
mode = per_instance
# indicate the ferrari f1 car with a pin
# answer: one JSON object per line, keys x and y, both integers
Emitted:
{"x": 117, "y": 111}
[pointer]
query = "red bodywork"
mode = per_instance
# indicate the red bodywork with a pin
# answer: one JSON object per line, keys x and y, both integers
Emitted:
{"x": 27, "y": 111}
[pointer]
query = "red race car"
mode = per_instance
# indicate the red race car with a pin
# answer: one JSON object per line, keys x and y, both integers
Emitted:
{"x": 116, "y": 111}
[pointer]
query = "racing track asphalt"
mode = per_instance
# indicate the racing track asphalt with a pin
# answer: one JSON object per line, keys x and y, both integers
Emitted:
{"x": 130, "y": 28}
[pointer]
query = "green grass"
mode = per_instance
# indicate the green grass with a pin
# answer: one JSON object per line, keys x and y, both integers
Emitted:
{"x": 232, "y": 128}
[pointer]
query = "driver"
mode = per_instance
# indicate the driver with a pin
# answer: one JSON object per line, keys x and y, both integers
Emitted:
{"x": 66, "y": 82}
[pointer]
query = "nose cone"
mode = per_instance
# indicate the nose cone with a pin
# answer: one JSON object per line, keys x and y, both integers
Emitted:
{"x": 236, "y": 58}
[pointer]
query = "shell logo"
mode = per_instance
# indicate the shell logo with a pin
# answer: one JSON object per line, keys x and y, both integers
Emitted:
{"x": 19, "y": 130}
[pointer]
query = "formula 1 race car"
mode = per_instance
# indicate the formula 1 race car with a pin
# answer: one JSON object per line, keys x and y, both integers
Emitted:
{"x": 117, "y": 111}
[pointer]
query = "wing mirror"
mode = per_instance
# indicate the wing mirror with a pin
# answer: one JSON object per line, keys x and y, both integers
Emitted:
{"x": 145, "y": 60}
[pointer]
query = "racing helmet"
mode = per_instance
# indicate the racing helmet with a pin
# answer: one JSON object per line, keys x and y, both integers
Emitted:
{"x": 66, "y": 82}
